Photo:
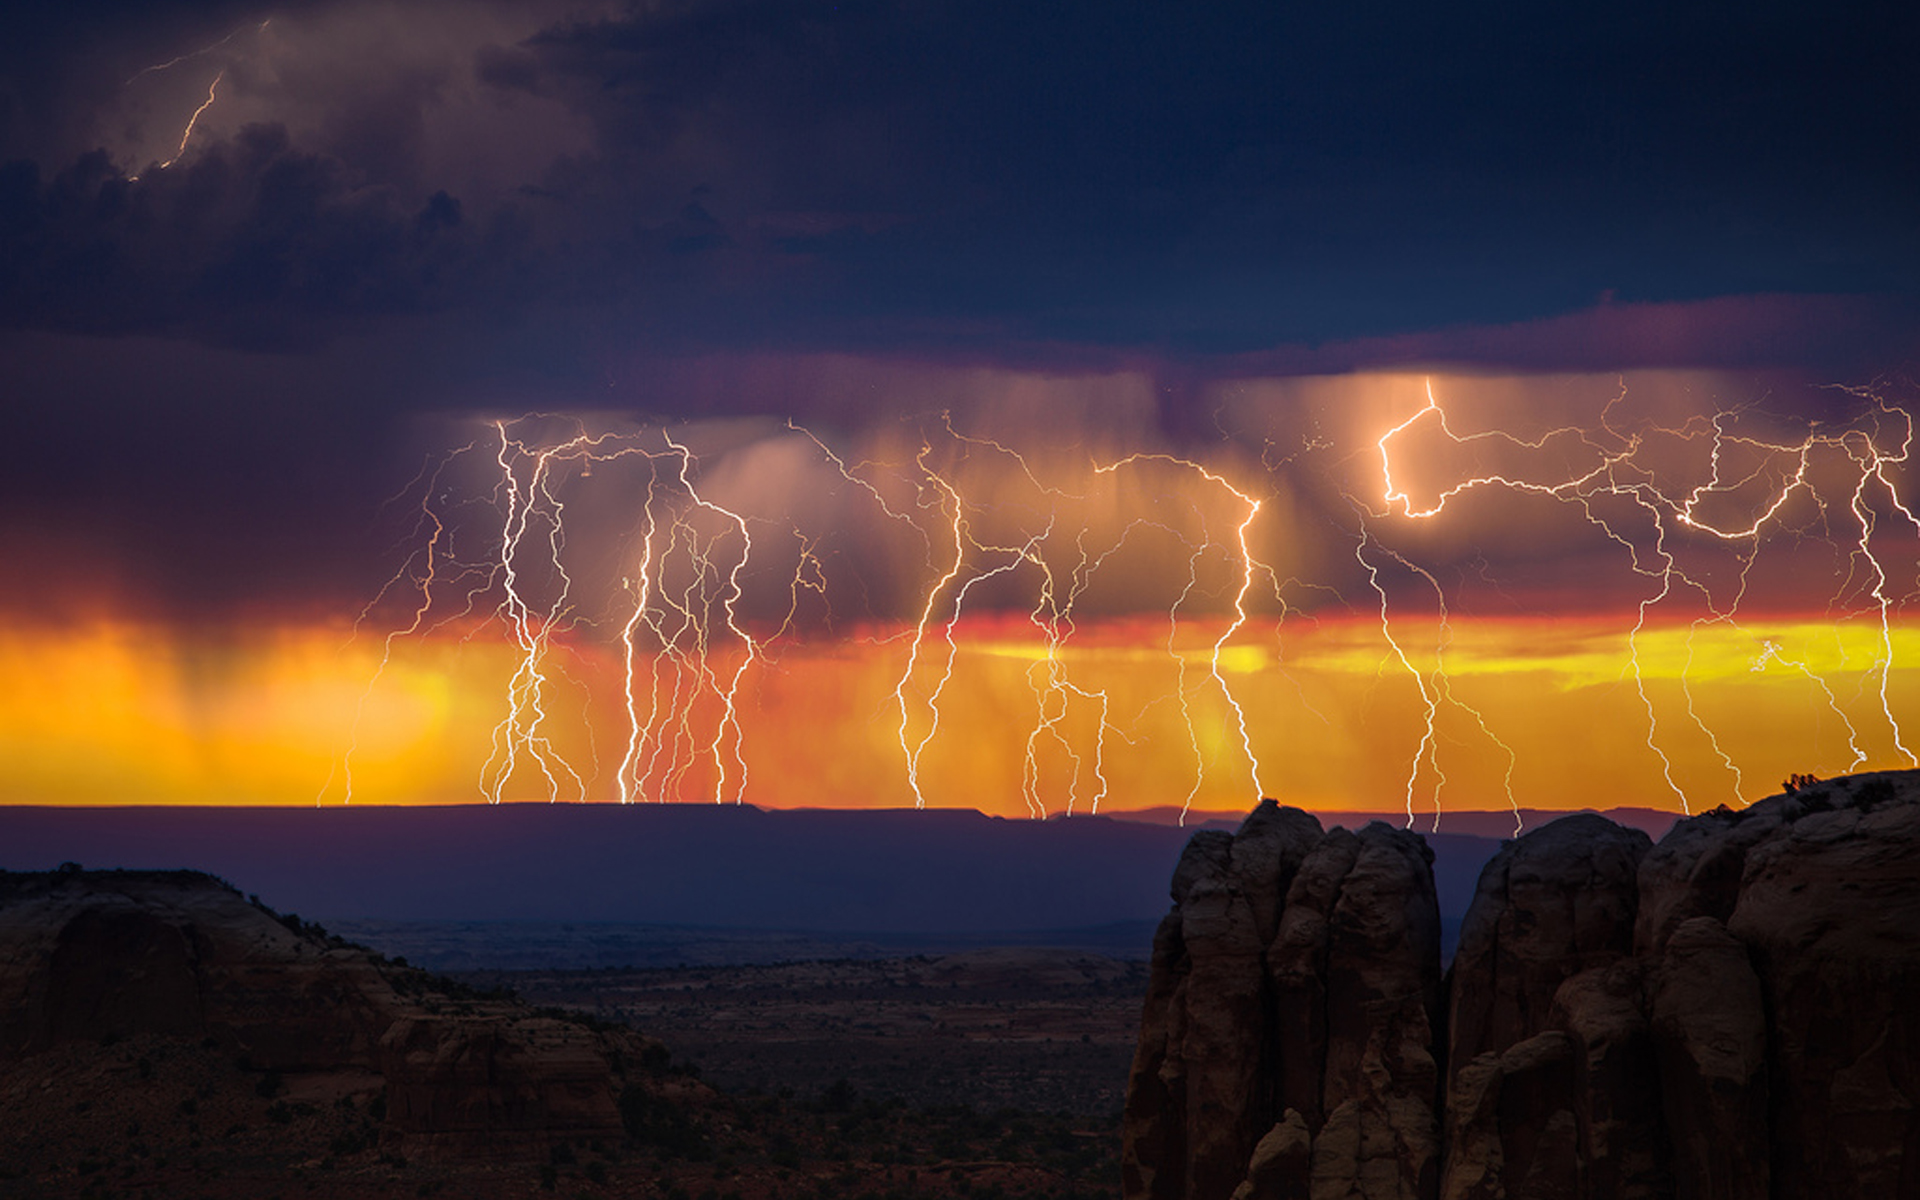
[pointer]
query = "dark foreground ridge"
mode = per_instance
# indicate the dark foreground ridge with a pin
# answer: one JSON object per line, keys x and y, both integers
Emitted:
{"x": 98, "y": 958}
{"x": 1732, "y": 1014}
{"x": 162, "y": 1035}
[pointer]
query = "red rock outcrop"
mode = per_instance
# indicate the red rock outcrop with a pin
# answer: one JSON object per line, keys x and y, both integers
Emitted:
{"x": 1550, "y": 905}
{"x": 1829, "y": 912}
{"x": 1536, "y": 1025}
{"x": 98, "y": 956}
{"x": 495, "y": 1085}
{"x": 1381, "y": 1137}
{"x": 1295, "y": 987}
{"x": 85, "y": 956}
{"x": 1733, "y": 1014}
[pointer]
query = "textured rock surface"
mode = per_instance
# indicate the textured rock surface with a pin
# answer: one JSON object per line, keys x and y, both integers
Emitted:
{"x": 1711, "y": 1029}
{"x": 1381, "y": 1137}
{"x": 495, "y": 1086}
{"x": 1278, "y": 1170}
{"x": 1196, "y": 1100}
{"x": 1297, "y": 973}
{"x": 100, "y": 956}
{"x": 110, "y": 955}
{"x": 1829, "y": 911}
{"x": 1289, "y": 1022}
{"x": 1622, "y": 1142}
{"x": 1154, "y": 1158}
{"x": 1551, "y": 904}
{"x": 1732, "y": 1014}
{"x": 1510, "y": 1121}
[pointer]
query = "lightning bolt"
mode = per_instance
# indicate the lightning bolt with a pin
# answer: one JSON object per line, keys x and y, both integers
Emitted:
{"x": 729, "y": 725}
{"x": 213, "y": 87}
{"x": 960, "y": 560}
{"x": 427, "y": 556}
{"x": 526, "y": 505}
{"x": 1249, "y": 571}
{"x": 209, "y": 48}
{"x": 186, "y": 135}
{"x": 529, "y": 553}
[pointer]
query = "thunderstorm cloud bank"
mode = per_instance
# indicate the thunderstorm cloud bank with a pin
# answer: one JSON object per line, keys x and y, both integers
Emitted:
{"x": 259, "y": 264}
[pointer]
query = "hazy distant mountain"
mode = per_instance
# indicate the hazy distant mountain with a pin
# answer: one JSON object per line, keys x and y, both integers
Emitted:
{"x": 724, "y": 866}
{"x": 848, "y": 871}
{"x": 1492, "y": 823}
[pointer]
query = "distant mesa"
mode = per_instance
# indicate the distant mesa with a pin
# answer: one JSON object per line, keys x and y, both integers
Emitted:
{"x": 939, "y": 872}
{"x": 1482, "y": 823}
{"x": 198, "y": 984}
{"x": 1731, "y": 1013}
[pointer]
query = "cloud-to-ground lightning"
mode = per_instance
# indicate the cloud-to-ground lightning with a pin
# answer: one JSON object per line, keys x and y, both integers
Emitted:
{"x": 1061, "y": 550}
{"x": 1248, "y": 569}
{"x": 686, "y": 642}
{"x": 682, "y": 586}
{"x": 419, "y": 571}
{"x": 1624, "y": 466}
{"x": 630, "y": 540}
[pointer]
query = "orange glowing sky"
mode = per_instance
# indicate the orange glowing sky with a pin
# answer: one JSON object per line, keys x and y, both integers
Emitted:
{"x": 1436, "y": 594}
{"x": 119, "y": 713}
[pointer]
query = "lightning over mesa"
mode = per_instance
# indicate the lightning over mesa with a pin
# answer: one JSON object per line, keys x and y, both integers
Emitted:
{"x": 1612, "y": 479}
{"x": 772, "y": 614}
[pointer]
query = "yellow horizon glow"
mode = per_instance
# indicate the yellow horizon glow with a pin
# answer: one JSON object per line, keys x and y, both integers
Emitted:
{"x": 119, "y": 712}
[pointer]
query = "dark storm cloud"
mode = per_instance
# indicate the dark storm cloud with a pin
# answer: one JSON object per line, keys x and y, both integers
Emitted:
{"x": 252, "y": 243}
{"x": 683, "y": 207}
{"x": 1229, "y": 177}
{"x": 1194, "y": 179}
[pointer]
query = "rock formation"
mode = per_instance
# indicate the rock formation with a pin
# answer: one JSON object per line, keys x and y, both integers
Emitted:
{"x": 1731, "y": 1014}
{"x": 1294, "y": 992}
{"x": 91, "y": 957}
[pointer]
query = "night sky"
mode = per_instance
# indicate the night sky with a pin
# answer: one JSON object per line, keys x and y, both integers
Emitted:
{"x": 220, "y": 354}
